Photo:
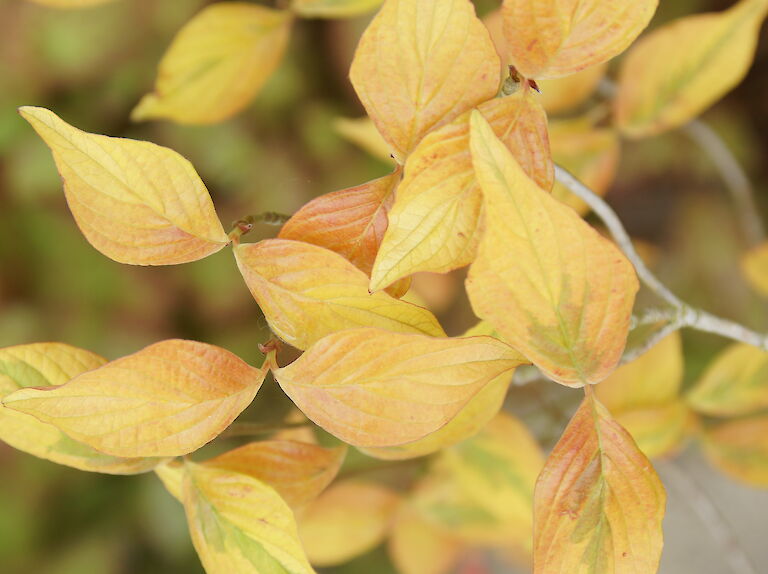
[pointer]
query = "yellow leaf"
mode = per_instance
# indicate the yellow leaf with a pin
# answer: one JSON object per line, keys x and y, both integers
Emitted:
{"x": 239, "y": 524}
{"x": 560, "y": 95}
{"x": 734, "y": 384}
{"x": 418, "y": 547}
{"x": 442, "y": 502}
{"x": 217, "y": 63}
{"x": 469, "y": 421}
{"x": 658, "y": 430}
{"x": 362, "y": 133}
{"x": 598, "y": 504}
{"x": 168, "y": 399}
{"x": 653, "y": 379}
{"x": 333, "y": 8}
{"x": 551, "y": 285}
{"x": 740, "y": 448}
{"x": 134, "y": 201}
{"x": 435, "y": 222}
{"x": 419, "y": 65}
{"x": 658, "y": 92}
{"x": 375, "y": 388}
{"x": 307, "y": 292}
{"x": 552, "y": 39}
{"x": 589, "y": 153}
{"x": 754, "y": 265}
{"x": 298, "y": 471}
{"x": 347, "y": 520}
{"x": 70, "y": 4}
{"x": 43, "y": 365}
{"x": 497, "y": 470}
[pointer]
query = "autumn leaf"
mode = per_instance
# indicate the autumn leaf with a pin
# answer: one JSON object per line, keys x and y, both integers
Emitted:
{"x": 43, "y": 365}
{"x": 470, "y": 420}
{"x": 239, "y": 524}
{"x": 134, "y": 201}
{"x": 307, "y": 292}
{"x": 734, "y": 384}
{"x": 550, "y": 284}
{"x": 347, "y": 520}
{"x": 374, "y": 388}
{"x": 419, "y": 65}
{"x": 552, "y": 39}
{"x": 298, "y": 471}
{"x": 217, "y": 63}
{"x": 350, "y": 222}
{"x": 497, "y": 470}
{"x": 598, "y": 504}
{"x": 168, "y": 399}
{"x": 657, "y": 93}
{"x": 333, "y": 8}
{"x": 435, "y": 222}
{"x": 418, "y": 547}
{"x": 590, "y": 153}
{"x": 740, "y": 449}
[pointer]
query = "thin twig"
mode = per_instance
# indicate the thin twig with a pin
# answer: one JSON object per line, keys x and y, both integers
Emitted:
{"x": 733, "y": 176}
{"x": 686, "y": 315}
{"x": 633, "y": 353}
{"x": 710, "y": 516}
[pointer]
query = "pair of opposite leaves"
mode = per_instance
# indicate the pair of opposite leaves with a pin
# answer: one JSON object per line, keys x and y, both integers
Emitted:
{"x": 548, "y": 283}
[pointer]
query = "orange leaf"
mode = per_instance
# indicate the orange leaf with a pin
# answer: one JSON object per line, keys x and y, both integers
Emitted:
{"x": 740, "y": 448}
{"x": 658, "y": 92}
{"x": 552, "y": 39}
{"x": 598, "y": 504}
{"x": 371, "y": 387}
{"x": 435, "y": 222}
{"x": 168, "y": 399}
{"x": 307, "y": 292}
{"x": 550, "y": 284}
{"x": 421, "y": 64}
{"x": 418, "y": 547}
{"x": 350, "y": 222}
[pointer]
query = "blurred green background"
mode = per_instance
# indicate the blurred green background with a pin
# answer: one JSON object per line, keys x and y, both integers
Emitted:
{"x": 91, "y": 67}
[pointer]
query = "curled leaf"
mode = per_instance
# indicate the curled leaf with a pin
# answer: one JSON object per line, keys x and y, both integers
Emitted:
{"x": 45, "y": 365}
{"x": 550, "y": 284}
{"x": 134, "y": 201}
{"x": 734, "y": 384}
{"x": 307, "y": 292}
{"x": 374, "y": 388}
{"x": 657, "y": 92}
{"x": 168, "y": 399}
{"x": 598, "y": 503}
{"x": 436, "y": 219}
{"x": 419, "y": 65}
{"x": 217, "y": 63}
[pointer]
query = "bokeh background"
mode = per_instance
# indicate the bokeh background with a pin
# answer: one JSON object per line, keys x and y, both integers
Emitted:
{"x": 91, "y": 67}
